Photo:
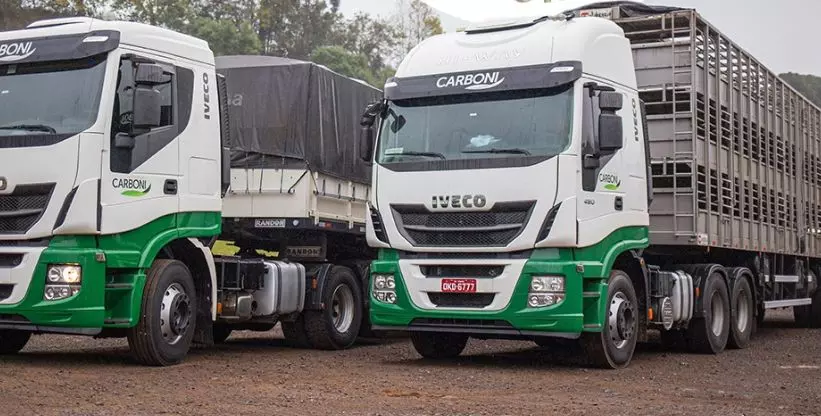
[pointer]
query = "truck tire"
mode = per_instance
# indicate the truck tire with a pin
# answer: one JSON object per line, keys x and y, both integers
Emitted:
{"x": 613, "y": 347}
{"x": 710, "y": 333}
{"x": 438, "y": 346}
{"x": 12, "y": 341}
{"x": 295, "y": 334}
{"x": 221, "y": 332}
{"x": 336, "y": 326}
{"x": 742, "y": 324}
{"x": 163, "y": 335}
{"x": 809, "y": 316}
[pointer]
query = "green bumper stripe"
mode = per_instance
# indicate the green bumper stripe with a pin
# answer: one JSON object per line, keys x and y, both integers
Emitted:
{"x": 586, "y": 289}
{"x": 111, "y": 292}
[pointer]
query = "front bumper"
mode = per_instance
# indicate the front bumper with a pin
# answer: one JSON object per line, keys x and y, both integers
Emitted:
{"x": 579, "y": 312}
{"x": 25, "y": 307}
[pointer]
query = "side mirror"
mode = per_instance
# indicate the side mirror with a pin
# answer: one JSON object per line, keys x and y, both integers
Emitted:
{"x": 610, "y": 101}
{"x": 147, "y": 109}
{"x": 611, "y": 133}
{"x": 366, "y": 139}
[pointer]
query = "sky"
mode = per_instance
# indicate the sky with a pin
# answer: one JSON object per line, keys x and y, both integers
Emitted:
{"x": 783, "y": 35}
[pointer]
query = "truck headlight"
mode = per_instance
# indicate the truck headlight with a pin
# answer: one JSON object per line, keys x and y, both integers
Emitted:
{"x": 384, "y": 288}
{"x": 546, "y": 291}
{"x": 62, "y": 281}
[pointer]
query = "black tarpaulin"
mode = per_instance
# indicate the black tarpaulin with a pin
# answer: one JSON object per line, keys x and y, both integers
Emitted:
{"x": 286, "y": 113}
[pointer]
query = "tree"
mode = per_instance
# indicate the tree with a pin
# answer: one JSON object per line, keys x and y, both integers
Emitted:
{"x": 808, "y": 85}
{"x": 224, "y": 36}
{"x": 295, "y": 28}
{"x": 172, "y": 14}
{"x": 16, "y": 14}
{"x": 374, "y": 38}
{"x": 347, "y": 63}
{"x": 417, "y": 22}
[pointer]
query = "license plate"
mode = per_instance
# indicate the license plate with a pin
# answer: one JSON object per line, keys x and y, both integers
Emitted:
{"x": 459, "y": 285}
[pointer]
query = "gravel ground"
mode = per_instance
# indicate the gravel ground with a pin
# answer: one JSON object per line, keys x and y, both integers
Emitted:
{"x": 255, "y": 373}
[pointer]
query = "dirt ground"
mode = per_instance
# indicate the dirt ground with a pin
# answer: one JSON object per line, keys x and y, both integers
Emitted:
{"x": 256, "y": 374}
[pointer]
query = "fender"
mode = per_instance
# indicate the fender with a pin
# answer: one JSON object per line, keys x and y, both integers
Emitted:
{"x": 212, "y": 271}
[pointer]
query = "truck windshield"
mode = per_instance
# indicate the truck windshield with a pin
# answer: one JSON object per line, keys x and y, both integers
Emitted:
{"x": 54, "y": 98}
{"x": 472, "y": 126}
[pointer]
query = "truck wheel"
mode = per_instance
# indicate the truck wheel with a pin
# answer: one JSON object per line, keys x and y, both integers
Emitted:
{"x": 337, "y": 325}
{"x": 438, "y": 346}
{"x": 809, "y": 316}
{"x": 295, "y": 334}
{"x": 163, "y": 335}
{"x": 221, "y": 332}
{"x": 614, "y": 346}
{"x": 743, "y": 319}
{"x": 709, "y": 334}
{"x": 12, "y": 341}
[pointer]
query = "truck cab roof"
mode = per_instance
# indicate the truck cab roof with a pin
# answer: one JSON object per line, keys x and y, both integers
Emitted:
{"x": 599, "y": 44}
{"x": 160, "y": 40}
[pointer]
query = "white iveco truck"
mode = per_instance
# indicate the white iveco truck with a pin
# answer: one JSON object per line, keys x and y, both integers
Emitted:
{"x": 591, "y": 178}
{"x": 114, "y": 158}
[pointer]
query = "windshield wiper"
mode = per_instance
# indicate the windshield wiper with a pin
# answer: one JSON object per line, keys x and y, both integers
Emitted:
{"x": 425, "y": 154}
{"x": 31, "y": 127}
{"x": 514, "y": 151}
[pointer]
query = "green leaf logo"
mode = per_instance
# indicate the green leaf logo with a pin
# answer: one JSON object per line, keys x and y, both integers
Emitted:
{"x": 613, "y": 186}
{"x": 133, "y": 193}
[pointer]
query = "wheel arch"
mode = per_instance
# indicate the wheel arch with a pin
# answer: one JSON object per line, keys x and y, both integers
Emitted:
{"x": 200, "y": 262}
{"x": 633, "y": 264}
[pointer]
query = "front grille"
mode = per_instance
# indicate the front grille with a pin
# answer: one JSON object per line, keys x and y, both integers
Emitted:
{"x": 5, "y": 291}
{"x": 494, "y": 228}
{"x": 462, "y": 271}
{"x": 461, "y": 300}
{"x": 10, "y": 260}
{"x": 21, "y": 209}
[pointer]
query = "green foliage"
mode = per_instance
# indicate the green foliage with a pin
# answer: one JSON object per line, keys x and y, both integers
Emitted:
{"x": 808, "y": 85}
{"x": 224, "y": 36}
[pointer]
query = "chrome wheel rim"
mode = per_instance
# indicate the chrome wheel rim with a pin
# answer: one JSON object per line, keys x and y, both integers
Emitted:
{"x": 717, "y": 311}
{"x": 175, "y": 315}
{"x": 342, "y": 308}
{"x": 621, "y": 321}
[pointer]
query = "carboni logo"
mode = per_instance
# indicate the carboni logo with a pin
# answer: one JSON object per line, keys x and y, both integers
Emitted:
{"x": 134, "y": 188}
{"x": 611, "y": 182}
{"x": 473, "y": 82}
{"x": 10, "y": 52}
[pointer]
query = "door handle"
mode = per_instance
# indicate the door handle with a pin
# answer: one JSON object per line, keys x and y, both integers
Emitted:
{"x": 619, "y": 203}
{"x": 170, "y": 187}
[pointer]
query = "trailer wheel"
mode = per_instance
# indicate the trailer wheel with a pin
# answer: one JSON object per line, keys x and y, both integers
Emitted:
{"x": 438, "y": 346}
{"x": 222, "y": 332}
{"x": 809, "y": 316}
{"x": 337, "y": 325}
{"x": 295, "y": 334}
{"x": 709, "y": 334}
{"x": 614, "y": 346}
{"x": 12, "y": 341}
{"x": 743, "y": 319}
{"x": 163, "y": 335}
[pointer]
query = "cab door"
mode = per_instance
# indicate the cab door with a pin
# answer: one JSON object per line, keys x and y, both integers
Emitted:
{"x": 141, "y": 162}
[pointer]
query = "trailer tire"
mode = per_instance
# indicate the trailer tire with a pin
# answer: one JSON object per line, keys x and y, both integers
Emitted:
{"x": 163, "y": 335}
{"x": 438, "y": 346}
{"x": 710, "y": 333}
{"x": 336, "y": 327}
{"x": 743, "y": 319}
{"x": 12, "y": 341}
{"x": 295, "y": 335}
{"x": 809, "y": 316}
{"x": 221, "y": 333}
{"x": 613, "y": 347}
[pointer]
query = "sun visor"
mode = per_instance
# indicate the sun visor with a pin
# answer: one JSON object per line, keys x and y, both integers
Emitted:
{"x": 489, "y": 80}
